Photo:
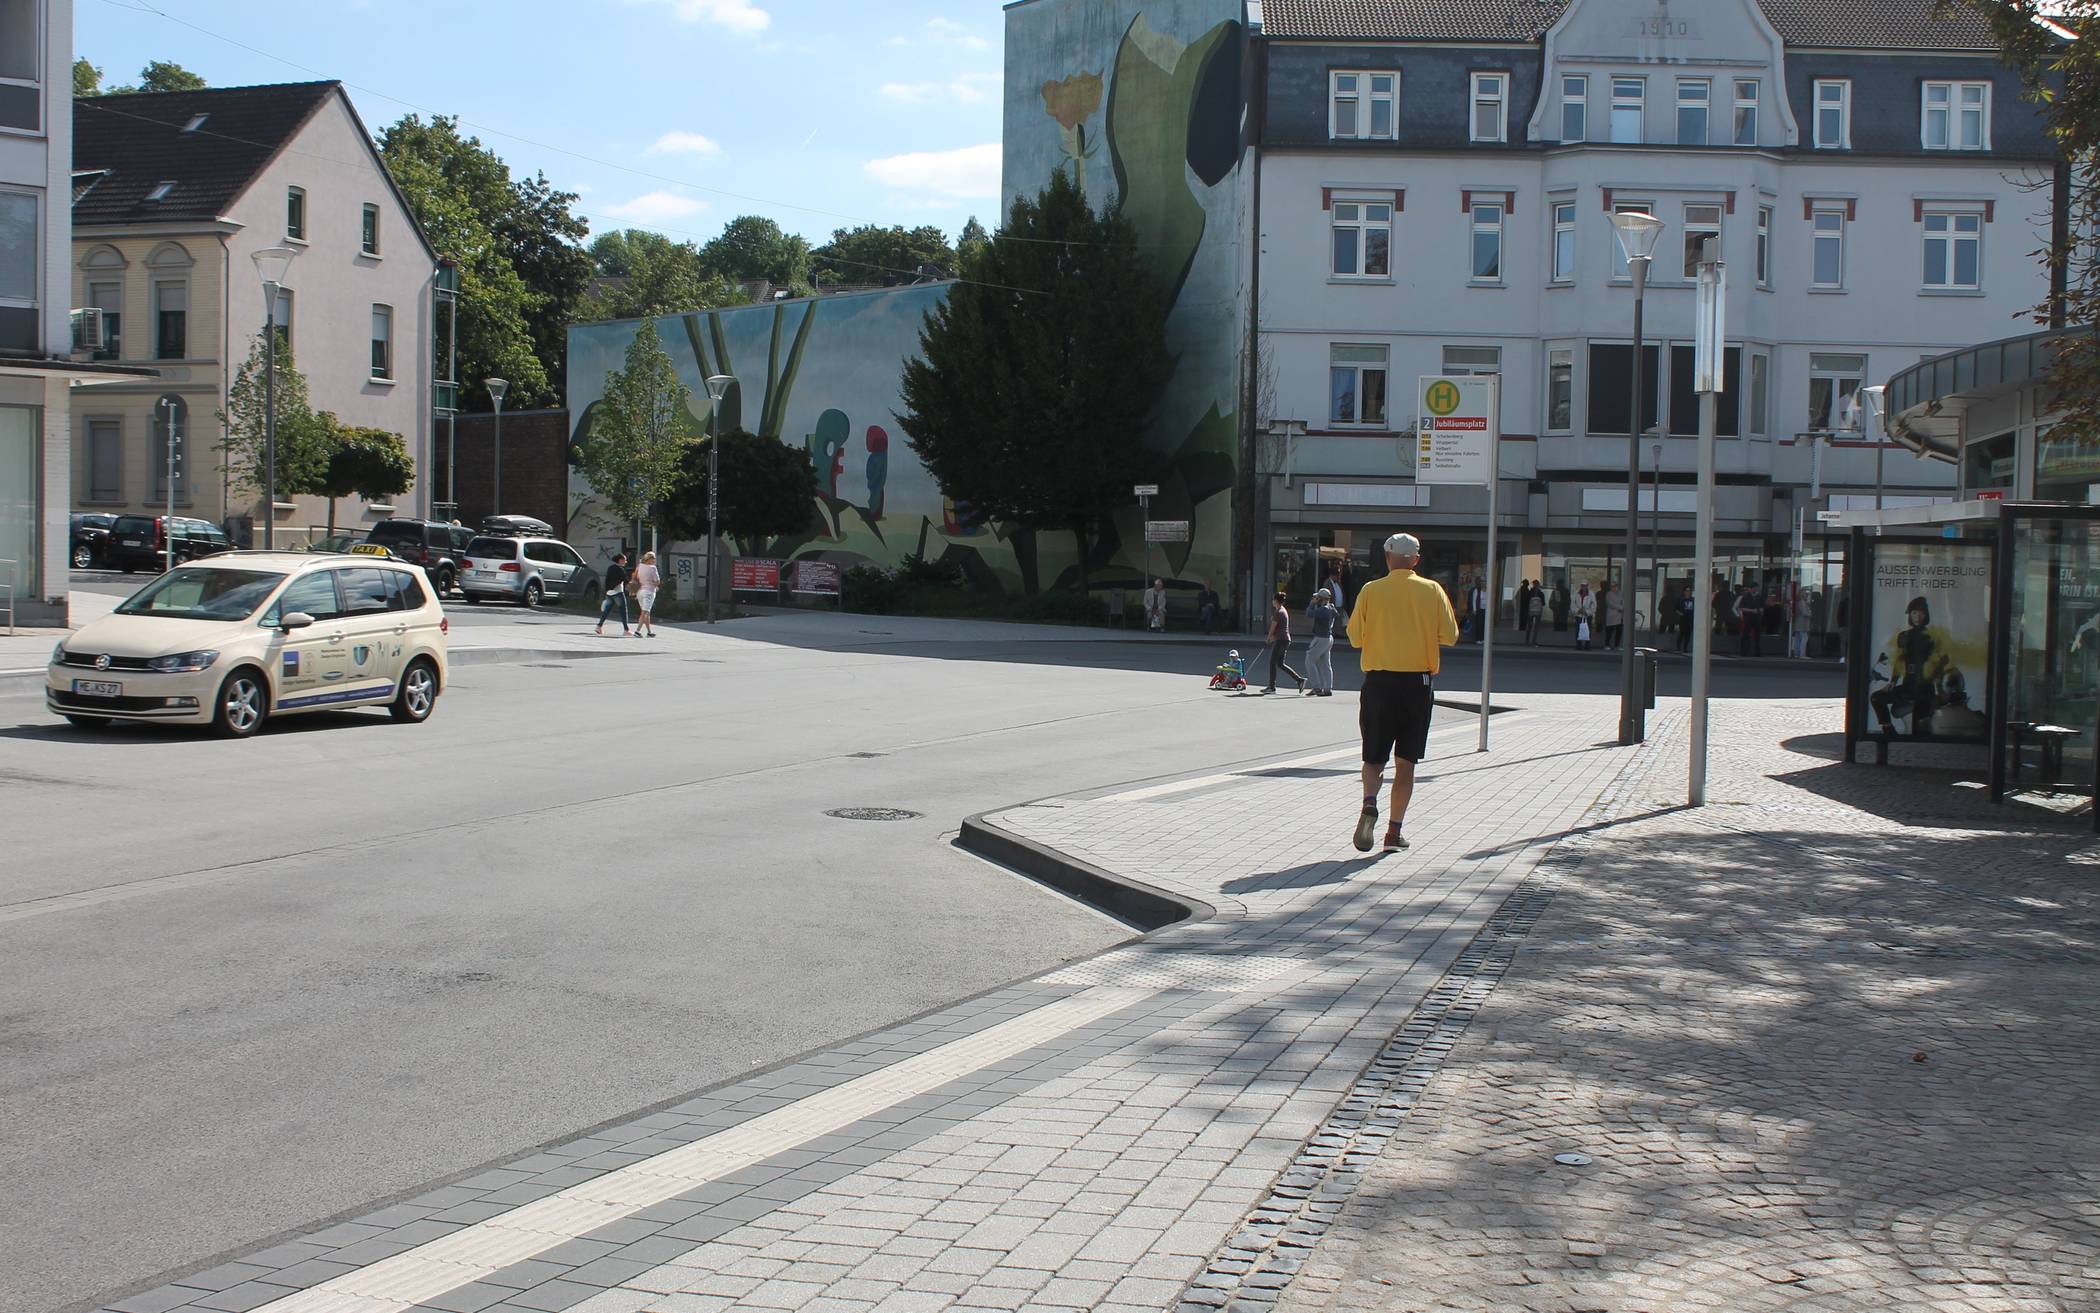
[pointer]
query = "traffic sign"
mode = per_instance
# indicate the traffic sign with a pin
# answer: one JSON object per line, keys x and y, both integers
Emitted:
{"x": 1166, "y": 531}
{"x": 1455, "y": 436}
{"x": 1145, "y": 490}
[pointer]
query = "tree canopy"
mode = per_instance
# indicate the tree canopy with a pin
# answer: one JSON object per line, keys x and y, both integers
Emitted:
{"x": 872, "y": 254}
{"x": 303, "y": 438}
{"x": 1036, "y": 376}
{"x": 751, "y": 247}
{"x": 639, "y": 429}
{"x": 522, "y": 273}
{"x": 970, "y": 241}
{"x": 363, "y": 462}
{"x": 643, "y": 274}
{"x": 160, "y": 75}
{"x": 769, "y": 489}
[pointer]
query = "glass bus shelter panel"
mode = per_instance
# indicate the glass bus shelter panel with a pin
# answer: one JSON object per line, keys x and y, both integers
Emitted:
{"x": 2053, "y": 611}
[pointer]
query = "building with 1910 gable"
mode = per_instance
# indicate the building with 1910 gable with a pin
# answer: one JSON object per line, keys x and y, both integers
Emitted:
{"x": 1436, "y": 182}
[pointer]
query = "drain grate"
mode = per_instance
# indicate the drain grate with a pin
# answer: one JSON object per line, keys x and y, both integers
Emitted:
{"x": 872, "y": 814}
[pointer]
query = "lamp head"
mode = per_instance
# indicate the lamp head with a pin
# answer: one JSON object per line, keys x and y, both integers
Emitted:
{"x": 497, "y": 387}
{"x": 1638, "y": 233}
{"x": 271, "y": 263}
{"x": 718, "y": 386}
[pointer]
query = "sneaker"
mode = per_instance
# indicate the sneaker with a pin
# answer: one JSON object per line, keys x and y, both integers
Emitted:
{"x": 1366, "y": 821}
{"x": 599, "y": 631}
{"x": 1394, "y": 840}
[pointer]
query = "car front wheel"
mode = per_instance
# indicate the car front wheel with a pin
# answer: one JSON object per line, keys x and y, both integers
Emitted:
{"x": 243, "y": 704}
{"x": 83, "y": 556}
{"x": 417, "y": 697}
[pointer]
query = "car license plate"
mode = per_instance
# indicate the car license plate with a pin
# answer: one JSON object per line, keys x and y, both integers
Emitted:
{"x": 97, "y": 688}
{"x": 131, "y": 542}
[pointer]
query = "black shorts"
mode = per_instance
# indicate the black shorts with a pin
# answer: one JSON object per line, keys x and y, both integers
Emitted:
{"x": 1393, "y": 712}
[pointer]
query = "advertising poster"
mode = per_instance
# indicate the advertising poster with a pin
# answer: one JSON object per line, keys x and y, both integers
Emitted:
{"x": 1929, "y": 641}
{"x": 753, "y": 574}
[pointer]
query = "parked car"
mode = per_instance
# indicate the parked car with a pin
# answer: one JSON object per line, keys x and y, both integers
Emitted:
{"x": 440, "y": 548}
{"x": 235, "y": 639}
{"x": 140, "y": 541}
{"x": 527, "y": 571}
{"x": 523, "y": 526}
{"x": 90, "y": 533}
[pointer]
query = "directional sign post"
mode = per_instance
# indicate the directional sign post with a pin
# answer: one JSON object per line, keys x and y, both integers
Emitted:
{"x": 1456, "y": 441}
{"x": 1145, "y": 492}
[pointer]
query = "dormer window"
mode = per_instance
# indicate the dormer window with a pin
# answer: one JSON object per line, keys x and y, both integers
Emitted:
{"x": 160, "y": 191}
{"x": 195, "y": 123}
{"x": 1490, "y": 106}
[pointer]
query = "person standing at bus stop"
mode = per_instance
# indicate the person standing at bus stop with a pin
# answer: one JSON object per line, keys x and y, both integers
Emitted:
{"x": 1401, "y": 625}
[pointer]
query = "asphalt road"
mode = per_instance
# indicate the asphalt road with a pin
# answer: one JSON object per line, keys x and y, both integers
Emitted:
{"x": 254, "y": 985}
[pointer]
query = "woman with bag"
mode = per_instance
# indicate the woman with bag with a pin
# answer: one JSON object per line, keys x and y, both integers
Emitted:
{"x": 644, "y": 585}
{"x": 1534, "y": 611}
{"x": 1585, "y": 616}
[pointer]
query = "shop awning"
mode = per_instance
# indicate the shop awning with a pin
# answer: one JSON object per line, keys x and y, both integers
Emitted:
{"x": 1925, "y": 403}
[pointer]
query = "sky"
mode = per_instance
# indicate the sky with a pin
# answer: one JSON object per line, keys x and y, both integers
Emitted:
{"x": 673, "y": 115}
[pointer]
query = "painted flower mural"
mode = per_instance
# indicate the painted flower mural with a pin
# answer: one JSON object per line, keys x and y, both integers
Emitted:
{"x": 1071, "y": 102}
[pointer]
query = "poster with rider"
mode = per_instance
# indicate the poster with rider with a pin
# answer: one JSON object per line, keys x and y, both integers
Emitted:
{"x": 1929, "y": 641}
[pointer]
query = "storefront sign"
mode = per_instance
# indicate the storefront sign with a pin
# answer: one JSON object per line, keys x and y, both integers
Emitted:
{"x": 1928, "y": 641}
{"x": 820, "y": 577}
{"x": 1455, "y": 432}
{"x": 754, "y": 574}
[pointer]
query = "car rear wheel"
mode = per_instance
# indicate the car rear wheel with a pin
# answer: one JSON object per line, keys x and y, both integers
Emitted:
{"x": 88, "y": 722}
{"x": 83, "y": 556}
{"x": 532, "y": 594}
{"x": 417, "y": 697}
{"x": 243, "y": 704}
{"x": 445, "y": 581}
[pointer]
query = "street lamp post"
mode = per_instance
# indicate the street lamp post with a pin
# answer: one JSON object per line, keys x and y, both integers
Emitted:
{"x": 167, "y": 422}
{"x": 1709, "y": 361}
{"x": 717, "y": 388}
{"x": 270, "y": 264}
{"x": 1655, "y": 558}
{"x": 497, "y": 387}
{"x": 1637, "y": 234}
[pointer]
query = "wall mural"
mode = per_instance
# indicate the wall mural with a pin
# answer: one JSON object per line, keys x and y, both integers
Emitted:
{"x": 1155, "y": 88}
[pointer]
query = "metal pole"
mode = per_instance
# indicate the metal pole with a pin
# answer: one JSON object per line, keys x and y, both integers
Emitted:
{"x": 1714, "y": 288}
{"x": 496, "y": 506}
{"x": 1493, "y": 589}
{"x": 714, "y": 489}
{"x": 1655, "y": 559}
{"x": 1630, "y": 708}
{"x": 167, "y": 419}
{"x": 452, "y": 411}
{"x": 269, "y": 416}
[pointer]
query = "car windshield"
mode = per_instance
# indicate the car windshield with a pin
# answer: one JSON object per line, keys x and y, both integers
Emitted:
{"x": 501, "y": 548}
{"x": 204, "y": 594}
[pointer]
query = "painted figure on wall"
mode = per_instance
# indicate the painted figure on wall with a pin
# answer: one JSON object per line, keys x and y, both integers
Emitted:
{"x": 878, "y": 468}
{"x": 827, "y": 448}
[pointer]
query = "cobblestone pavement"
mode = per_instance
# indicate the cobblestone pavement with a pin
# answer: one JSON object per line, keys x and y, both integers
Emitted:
{"x": 1830, "y": 1043}
{"x": 1113, "y": 1135}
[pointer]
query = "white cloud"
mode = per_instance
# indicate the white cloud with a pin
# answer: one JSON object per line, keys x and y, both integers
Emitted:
{"x": 685, "y": 143}
{"x": 942, "y": 32}
{"x": 970, "y": 173}
{"x": 736, "y": 15}
{"x": 657, "y": 207}
{"x": 963, "y": 89}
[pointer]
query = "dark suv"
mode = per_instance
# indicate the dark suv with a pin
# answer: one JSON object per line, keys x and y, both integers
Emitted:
{"x": 90, "y": 535}
{"x": 140, "y": 542}
{"x": 440, "y": 548}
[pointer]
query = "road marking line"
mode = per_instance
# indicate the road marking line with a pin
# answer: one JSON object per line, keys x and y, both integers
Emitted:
{"x": 392, "y": 1285}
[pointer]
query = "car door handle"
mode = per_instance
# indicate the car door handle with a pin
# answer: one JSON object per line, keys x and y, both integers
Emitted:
{"x": 400, "y": 629}
{"x": 336, "y": 637}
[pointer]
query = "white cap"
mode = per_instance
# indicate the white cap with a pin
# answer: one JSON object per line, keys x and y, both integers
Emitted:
{"x": 1403, "y": 544}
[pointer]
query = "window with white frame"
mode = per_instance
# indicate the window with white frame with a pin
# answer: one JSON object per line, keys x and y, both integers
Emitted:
{"x": 1356, "y": 378}
{"x": 1574, "y": 108}
{"x": 21, "y": 65}
{"x": 20, "y": 270}
{"x": 1487, "y": 241}
{"x": 1760, "y": 395}
{"x": 368, "y": 231}
{"x": 382, "y": 341}
{"x": 1957, "y": 116}
{"x": 1563, "y": 241}
{"x": 1694, "y": 98}
{"x": 105, "y": 460}
{"x": 1953, "y": 250}
{"x": 1832, "y": 380}
{"x": 1827, "y": 236}
{"x": 1618, "y": 251}
{"x": 1764, "y": 246}
{"x": 1490, "y": 106}
{"x": 295, "y": 214}
{"x": 1363, "y": 105}
{"x": 1747, "y": 93}
{"x": 1463, "y": 360}
{"x": 1833, "y": 110}
{"x": 171, "y": 318}
{"x": 108, "y": 297}
{"x": 1628, "y": 103}
{"x": 1363, "y": 239}
{"x": 1700, "y": 223}
{"x": 1560, "y": 389}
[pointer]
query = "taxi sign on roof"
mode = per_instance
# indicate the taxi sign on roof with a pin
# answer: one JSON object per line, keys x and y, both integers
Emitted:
{"x": 369, "y": 549}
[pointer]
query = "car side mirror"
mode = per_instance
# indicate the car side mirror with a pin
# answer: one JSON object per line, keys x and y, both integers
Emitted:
{"x": 295, "y": 620}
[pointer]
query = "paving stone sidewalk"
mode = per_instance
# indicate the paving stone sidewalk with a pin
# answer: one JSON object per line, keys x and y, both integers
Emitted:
{"x": 1169, "y": 1121}
{"x": 1830, "y": 1043}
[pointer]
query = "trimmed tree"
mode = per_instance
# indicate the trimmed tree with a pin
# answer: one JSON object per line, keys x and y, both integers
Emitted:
{"x": 640, "y": 430}
{"x": 769, "y": 490}
{"x": 369, "y": 463}
{"x": 303, "y": 438}
{"x": 1037, "y": 374}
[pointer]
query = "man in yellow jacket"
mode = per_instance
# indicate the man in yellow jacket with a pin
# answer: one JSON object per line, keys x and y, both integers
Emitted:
{"x": 1400, "y": 625}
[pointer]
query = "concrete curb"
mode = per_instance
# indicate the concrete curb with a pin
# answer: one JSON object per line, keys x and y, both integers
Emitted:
{"x": 1141, "y": 905}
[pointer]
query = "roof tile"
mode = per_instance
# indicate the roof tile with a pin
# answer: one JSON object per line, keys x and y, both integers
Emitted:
{"x": 136, "y": 142}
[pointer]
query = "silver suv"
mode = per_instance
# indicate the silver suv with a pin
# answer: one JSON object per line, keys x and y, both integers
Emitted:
{"x": 527, "y": 571}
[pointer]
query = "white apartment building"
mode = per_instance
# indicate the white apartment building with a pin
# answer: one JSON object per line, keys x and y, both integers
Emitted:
{"x": 1436, "y": 187}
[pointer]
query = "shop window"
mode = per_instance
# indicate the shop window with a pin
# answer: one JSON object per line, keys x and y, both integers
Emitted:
{"x": 1684, "y": 402}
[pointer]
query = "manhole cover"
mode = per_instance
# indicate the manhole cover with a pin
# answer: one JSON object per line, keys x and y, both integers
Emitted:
{"x": 1572, "y": 1159}
{"x": 872, "y": 814}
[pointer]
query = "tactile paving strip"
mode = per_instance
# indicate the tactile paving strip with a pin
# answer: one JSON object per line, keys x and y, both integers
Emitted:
{"x": 1221, "y": 972}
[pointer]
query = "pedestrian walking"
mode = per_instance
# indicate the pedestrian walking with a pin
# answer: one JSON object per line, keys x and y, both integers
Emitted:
{"x": 1614, "y": 616}
{"x": 1156, "y": 606}
{"x": 1207, "y": 607}
{"x": 1687, "y": 616}
{"x": 1535, "y": 611}
{"x": 1280, "y": 643}
{"x": 1560, "y": 607}
{"x": 1804, "y": 617}
{"x": 615, "y": 593}
{"x": 1400, "y": 625}
{"x": 647, "y": 580}
{"x": 1319, "y": 650}
{"x": 1749, "y": 619}
{"x": 1585, "y": 617}
{"x": 1477, "y": 608}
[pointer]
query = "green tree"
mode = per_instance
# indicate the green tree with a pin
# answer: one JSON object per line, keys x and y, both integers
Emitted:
{"x": 640, "y": 430}
{"x": 769, "y": 489}
{"x": 2062, "y": 76}
{"x": 303, "y": 438}
{"x": 162, "y": 75}
{"x": 87, "y": 79}
{"x": 869, "y": 254}
{"x": 971, "y": 240}
{"x": 1035, "y": 380}
{"x": 645, "y": 274}
{"x": 362, "y": 462}
{"x": 522, "y": 272}
{"x": 752, "y": 247}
